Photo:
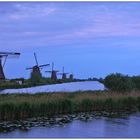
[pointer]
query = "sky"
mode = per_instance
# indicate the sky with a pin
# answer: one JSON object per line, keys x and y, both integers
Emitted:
{"x": 90, "y": 39}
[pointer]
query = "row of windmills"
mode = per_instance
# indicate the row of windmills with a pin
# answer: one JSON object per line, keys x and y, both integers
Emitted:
{"x": 54, "y": 74}
{"x": 36, "y": 70}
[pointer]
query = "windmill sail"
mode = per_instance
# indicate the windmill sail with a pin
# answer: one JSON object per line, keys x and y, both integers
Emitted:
{"x": 6, "y": 55}
{"x": 9, "y": 54}
{"x": 36, "y": 59}
{"x": 44, "y": 65}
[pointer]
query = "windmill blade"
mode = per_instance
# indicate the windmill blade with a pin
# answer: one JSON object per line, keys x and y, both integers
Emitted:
{"x": 29, "y": 68}
{"x": 3, "y": 55}
{"x": 9, "y": 54}
{"x": 48, "y": 71}
{"x": 52, "y": 66}
{"x": 63, "y": 69}
{"x": 66, "y": 73}
{"x": 6, "y": 55}
{"x": 44, "y": 65}
{"x": 36, "y": 58}
{"x": 60, "y": 73}
{"x": 40, "y": 68}
{"x": 4, "y": 61}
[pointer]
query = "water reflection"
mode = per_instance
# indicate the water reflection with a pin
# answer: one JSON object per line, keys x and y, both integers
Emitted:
{"x": 101, "y": 127}
{"x": 118, "y": 121}
{"x": 64, "y": 87}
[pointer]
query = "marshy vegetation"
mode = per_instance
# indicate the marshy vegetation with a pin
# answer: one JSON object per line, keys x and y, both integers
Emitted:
{"x": 123, "y": 95}
{"x": 21, "y": 106}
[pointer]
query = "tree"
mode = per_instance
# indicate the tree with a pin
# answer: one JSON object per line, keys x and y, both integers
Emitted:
{"x": 118, "y": 82}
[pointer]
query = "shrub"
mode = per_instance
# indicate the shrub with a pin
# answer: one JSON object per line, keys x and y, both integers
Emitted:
{"x": 136, "y": 81}
{"x": 118, "y": 82}
{"x": 138, "y": 103}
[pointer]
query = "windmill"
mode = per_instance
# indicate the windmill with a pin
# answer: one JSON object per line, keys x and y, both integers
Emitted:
{"x": 5, "y": 55}
{"x": 64, "y": 74}
{"x": 53, "y": 72}
{"x": 71, "y": 76}
{"x": 36, "y": 69}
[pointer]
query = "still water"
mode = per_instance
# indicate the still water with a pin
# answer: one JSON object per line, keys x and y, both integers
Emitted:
{"x": 99, "y": 127}
{"x": 64, "y": 87}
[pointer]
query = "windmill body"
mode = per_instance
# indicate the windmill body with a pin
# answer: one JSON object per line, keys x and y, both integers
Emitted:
{"x": 36, "y": 71}
{"x": 71, "y": 77}
{"x": 53, "y": 73}
{"x": 64, "y": 74}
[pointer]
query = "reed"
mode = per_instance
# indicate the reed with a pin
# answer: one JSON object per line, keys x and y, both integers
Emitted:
{"x": 20, "y": 106}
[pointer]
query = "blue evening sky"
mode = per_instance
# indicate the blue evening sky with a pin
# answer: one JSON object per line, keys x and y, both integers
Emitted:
{"x": 91, "y": 39}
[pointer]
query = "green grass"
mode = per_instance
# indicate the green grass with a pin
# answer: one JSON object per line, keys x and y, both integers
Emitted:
{"x": 20, "y": 106}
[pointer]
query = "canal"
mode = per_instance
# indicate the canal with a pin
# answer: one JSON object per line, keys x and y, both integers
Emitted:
{"x": 98, "y": 127}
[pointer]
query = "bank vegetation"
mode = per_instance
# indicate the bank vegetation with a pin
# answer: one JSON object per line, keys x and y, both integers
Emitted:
{"x": 21, "y": 106}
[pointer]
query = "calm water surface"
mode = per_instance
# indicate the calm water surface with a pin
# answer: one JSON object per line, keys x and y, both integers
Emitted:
{"x": 64, "y": 87}
{"x": 97, "y": 127}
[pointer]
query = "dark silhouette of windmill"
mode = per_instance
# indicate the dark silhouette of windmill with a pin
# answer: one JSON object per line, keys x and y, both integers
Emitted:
{"x": 36, "y": 69}
{"x": 4, "y": 56}
{"x": 71, "y": 77}
{"x": 53, "y": 72}
{"x": 64, "y": 74}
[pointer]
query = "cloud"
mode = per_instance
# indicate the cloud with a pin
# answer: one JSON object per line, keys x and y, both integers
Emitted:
{"x": 34, "y": 13}
{"x": 32, "y": 33}
{"x": 18, "y": 11}
{"x": 38, "y": 24}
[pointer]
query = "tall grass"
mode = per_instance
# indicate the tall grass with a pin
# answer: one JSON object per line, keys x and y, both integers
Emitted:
{"x": 20, "y": 106}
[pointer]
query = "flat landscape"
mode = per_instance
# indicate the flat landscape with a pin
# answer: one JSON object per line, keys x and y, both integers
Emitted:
{"x": 69, "y": 69}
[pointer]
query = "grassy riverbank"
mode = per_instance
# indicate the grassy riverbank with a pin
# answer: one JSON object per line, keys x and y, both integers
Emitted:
{"x": 20, "y": 106}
